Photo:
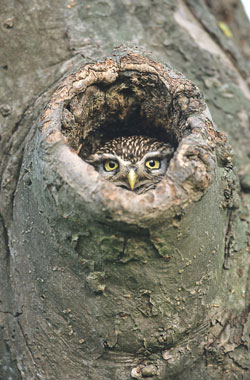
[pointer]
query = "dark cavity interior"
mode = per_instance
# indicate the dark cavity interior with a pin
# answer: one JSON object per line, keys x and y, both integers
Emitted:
{"x": 135, "y": 104}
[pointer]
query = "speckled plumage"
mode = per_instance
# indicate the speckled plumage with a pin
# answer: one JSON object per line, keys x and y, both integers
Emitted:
{"x": 132, "y": 153}
{"x": 133, "y": 148}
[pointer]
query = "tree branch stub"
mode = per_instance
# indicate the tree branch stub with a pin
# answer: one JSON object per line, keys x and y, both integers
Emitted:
{"x": 137, "y": 263}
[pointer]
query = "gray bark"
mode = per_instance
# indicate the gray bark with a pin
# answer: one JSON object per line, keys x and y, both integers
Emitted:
{"x": 97, "y": 282}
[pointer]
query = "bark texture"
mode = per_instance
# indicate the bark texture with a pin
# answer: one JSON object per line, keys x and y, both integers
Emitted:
{"x": 97, "y": 282}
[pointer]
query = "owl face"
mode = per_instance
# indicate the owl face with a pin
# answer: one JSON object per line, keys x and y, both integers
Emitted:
{"x": 135, "y": 163}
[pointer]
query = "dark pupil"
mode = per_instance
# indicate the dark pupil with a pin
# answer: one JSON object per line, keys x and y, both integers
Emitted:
{"x": 111, "y": 164}
{"x": 151, "y": 163}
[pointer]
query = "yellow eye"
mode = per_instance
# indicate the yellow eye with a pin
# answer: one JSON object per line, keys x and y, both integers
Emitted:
{"x": 110, "y": 165}
{"x": 153, "y": 163}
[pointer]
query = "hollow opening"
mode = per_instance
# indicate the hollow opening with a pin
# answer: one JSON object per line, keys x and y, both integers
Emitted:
{"x": 137, "y": 103}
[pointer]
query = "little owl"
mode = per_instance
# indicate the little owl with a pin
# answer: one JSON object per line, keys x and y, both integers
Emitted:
{"x": 135, "y": 163}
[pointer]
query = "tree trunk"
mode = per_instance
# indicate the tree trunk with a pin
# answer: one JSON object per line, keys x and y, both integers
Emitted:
{"x": 98, "y": 282}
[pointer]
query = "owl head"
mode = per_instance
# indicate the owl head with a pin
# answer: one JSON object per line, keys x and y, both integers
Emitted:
{"x": 135, "y": 163}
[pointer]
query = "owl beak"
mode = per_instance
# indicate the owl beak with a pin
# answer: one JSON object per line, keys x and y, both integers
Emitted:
{"x": 132, "y": 177}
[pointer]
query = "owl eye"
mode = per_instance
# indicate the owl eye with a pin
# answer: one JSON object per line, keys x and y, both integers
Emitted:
{"x": 153, "y": 163}
{"x": 110, "y": 165}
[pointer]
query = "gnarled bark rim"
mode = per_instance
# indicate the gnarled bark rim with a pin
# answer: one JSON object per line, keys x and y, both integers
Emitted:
{"x": 191, "y": 170}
